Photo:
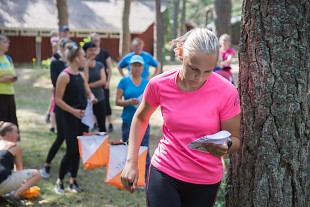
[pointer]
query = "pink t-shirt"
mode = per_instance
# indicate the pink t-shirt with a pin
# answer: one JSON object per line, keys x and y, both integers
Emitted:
{"x": 225, "y": 53}
{"x": 188, "y": 116}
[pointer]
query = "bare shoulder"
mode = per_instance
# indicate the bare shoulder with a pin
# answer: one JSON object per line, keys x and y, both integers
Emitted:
{"x": 63, "y": 77}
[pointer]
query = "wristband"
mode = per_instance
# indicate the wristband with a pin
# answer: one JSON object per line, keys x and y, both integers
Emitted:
{"x": 229, "y": 143}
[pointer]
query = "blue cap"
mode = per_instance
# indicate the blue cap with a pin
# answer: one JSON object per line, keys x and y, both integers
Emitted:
{"x": 64, "y": 28}
{"x": 137, "y": 59}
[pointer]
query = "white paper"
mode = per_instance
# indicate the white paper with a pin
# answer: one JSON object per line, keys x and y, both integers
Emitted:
{"x": 217, "y": 138}
{"x": 88, "y": 118}
{"x": 140, "y": 100}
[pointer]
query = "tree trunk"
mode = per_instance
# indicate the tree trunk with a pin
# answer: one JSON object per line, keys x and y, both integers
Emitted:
{"x": 175, "y": 26}
{"x": 125, "y": 27}
{"x": 222, "y": 16}
{"x": 182, "y": 29}
{"x": 270, "y": 169}
{"x": 62, "y": 9}
{"x": 159, "y": 32}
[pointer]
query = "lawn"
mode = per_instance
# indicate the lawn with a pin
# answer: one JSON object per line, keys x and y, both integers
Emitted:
{"x": 33, "y": 92}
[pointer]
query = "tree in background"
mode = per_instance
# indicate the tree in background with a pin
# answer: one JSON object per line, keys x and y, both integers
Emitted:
{"x": 125, "y": 28}
{"x": 175, "y": 25}
{"x": 62, "y": 8}
{"x": 182, "y": 28}
{"x": 159, "y": 36}
{"x": 222, "y": 16}
{"x": 270, "y": 168}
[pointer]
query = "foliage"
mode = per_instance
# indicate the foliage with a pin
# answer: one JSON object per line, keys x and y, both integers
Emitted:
{"x": 86, "y": 39}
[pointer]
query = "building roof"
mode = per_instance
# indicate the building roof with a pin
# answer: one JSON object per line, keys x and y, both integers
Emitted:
{"x": 84, "y": 15}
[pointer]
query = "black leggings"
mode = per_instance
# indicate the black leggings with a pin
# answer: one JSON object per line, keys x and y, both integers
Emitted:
{"x": 99, "y": 112}
{"x": 166, "y": 191}
{"x": 72, "y": 128}
{"x": 108, "y": 110}
{"x": 59, "y": 139}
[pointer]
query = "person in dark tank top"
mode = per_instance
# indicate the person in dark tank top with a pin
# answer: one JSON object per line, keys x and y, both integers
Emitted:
{"x": 95, "y": 74}
{"x": 17, "y": 180}
{"x": 104, "y": 57}
{"x": 72, "y": 92}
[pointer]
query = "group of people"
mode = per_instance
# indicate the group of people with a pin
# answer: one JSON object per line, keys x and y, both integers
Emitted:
{"x": 194, "y": 101}
{"x": 77, "y": 71}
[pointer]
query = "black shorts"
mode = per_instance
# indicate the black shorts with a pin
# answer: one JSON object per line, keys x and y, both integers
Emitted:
{"x": 165, "y": 191}
{"x": 8, "y": 109}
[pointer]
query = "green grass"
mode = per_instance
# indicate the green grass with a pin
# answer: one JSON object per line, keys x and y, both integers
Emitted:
{"x": 33, "y": 92}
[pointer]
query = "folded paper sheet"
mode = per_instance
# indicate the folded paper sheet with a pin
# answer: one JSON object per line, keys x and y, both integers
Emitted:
{"x": 217, "y": 138}
{"x": 117, "y": 161}
{"x": 88, "y": 118}
{"x": 94, "y": 150}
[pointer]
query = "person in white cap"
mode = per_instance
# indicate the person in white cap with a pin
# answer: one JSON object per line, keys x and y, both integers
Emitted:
{"x": 129, "y": 95}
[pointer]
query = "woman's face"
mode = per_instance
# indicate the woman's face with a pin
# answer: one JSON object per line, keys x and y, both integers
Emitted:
{"x": 91, "y": 53}
{"x": 96, "y": 40}
{"x": 136, "y": 69}
{"x": 137, "y": 49}
{"x": 80, "y": 58}
{"x": 197, "y": 69}
{"x": 225, "y": 43}
{"x": 4, "y": 45}
{"x": 13, "y": 135}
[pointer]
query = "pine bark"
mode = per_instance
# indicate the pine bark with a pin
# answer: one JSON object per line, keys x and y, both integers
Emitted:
{"x": 175, "y": 26}
{"x": 159, "y": 33}
{"x": 270, "y": 169}
{"x": 62, "y": 8}
{"x": 222, "y": 16}
{"x": 125, "y": 28}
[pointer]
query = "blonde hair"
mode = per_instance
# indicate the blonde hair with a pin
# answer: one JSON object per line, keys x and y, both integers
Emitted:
{"x": 225, "y": 37}
{"x": 6, "y": 127}
{"x": 71, "y": 52}
{"x": 199, "y": 40}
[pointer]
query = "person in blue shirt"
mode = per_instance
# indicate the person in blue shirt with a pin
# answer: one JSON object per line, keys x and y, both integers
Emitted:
{"x": 137, "y": 49}
{"x": 129, "y": 95}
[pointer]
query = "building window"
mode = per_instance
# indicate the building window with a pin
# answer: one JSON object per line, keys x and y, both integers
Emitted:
{"x": 29, "y": 33}
{"x": 10, "y": 32}
{"x": 115, "y": 35}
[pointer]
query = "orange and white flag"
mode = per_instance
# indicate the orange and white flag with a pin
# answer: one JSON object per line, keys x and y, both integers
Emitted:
{"x": 116, "y": 164}
{"x": 94, "y": 150}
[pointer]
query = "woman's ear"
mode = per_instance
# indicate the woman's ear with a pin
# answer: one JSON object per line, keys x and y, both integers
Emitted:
{"x": 178, "y": 51}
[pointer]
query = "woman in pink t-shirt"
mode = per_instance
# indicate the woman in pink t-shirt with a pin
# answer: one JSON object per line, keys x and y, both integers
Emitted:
{"x": 226, "y": 55}
{"x": 194, "y": 102}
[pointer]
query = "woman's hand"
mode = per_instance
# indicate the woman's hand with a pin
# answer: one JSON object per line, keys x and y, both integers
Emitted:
{"x": 93, "y": 100}
{"x": 129, "y": 176}
{"x": 134, "y": 101}
{"x": 217, "y": 150}
{"x": 78, "y": 113}
{"x": 8, "y": 79}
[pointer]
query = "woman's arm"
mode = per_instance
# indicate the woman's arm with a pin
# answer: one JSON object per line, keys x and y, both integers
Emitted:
{"x": 88, "y": 92}
{"x": 8, "y": 79}
{"x": 119, "y": 101}
{"x": 86, "y": 69}
{"x": 233, "y": 127}
{"x": 109, "y": 66}
{"x": 227, "y": 61}
{"x": 17, "y": 152}
{"x": 101, "y": 82}
{"x": 139, "y": 124}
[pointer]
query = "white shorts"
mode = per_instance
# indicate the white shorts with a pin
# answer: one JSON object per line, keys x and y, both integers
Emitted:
{"x": 15, "y": 180}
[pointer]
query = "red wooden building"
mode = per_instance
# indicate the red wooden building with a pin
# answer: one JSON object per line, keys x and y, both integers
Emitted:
{"x": 28, "y": 24}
